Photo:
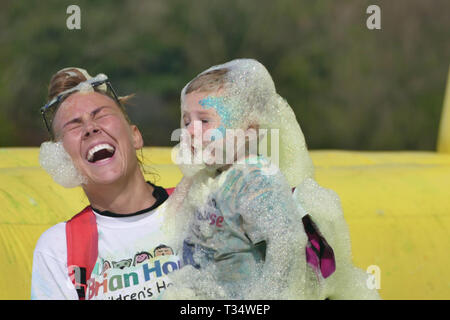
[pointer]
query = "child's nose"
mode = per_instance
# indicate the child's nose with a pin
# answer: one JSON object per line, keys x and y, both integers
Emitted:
{"x": 190, "y": 128}
{"x": 194, "y": 128}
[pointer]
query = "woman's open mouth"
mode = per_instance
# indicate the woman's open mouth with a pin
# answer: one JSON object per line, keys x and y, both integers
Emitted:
{"x": 100, "y": 153}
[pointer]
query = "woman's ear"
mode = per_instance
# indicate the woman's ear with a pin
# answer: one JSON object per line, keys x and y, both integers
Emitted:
{"x": 138, "y": 141}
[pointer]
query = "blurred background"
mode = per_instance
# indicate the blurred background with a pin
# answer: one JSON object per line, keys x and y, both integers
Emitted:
{"x": 350, "y": 87}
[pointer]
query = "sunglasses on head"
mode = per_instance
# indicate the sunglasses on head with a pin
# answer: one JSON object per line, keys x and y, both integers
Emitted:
{"x": 99, "y": 83}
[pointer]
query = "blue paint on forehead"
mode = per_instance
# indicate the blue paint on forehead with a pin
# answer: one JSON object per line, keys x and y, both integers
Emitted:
{"x": 218, "y": 104}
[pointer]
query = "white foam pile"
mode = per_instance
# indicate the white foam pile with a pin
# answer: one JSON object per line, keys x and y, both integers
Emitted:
{"x": 54, "y": 159}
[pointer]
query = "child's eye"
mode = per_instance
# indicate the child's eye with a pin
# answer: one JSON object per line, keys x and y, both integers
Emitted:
{"x": 205, "y": 121}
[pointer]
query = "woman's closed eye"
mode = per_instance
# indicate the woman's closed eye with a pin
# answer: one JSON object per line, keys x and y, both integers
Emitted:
{"x": 72, "y": 125}
{"x": 102, "y": 114}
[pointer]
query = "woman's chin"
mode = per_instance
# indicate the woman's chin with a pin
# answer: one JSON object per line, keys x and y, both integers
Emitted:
{"x": 103, "y": 178}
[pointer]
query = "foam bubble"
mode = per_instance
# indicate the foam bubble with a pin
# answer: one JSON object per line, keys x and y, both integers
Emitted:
{"x": 54, "y": 159}
{"x": 267, "y": 211}
{"x": 324, "y": 207}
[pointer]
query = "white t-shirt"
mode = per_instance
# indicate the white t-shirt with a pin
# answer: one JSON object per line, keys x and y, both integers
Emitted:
{"x": 134, "y": 259}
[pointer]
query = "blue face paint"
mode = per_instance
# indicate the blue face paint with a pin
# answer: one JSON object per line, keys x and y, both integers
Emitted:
{"x": 218, "y": 104}
{"x": 222, "y": 131}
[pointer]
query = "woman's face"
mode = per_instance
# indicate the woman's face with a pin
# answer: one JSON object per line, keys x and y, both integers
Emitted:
{"x": 98, "y": 138}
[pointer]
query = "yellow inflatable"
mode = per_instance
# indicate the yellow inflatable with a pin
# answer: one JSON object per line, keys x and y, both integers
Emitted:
{"x": 396, "y": 204}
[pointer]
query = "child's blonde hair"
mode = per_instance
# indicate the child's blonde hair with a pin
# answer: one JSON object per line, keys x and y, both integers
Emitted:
{"x": 211, "y": 81}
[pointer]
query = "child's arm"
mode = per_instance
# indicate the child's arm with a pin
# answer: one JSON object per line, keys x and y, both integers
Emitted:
{"x": 269, "y": 214}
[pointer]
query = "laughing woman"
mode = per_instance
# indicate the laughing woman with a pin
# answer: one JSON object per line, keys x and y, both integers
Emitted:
{"x": 110, "y": 249}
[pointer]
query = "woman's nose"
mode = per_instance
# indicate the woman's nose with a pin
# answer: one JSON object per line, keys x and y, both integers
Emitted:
{"x": 90, "y": 129}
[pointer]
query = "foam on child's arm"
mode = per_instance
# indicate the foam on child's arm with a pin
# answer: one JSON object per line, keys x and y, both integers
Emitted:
{"x": 270, "y": 214}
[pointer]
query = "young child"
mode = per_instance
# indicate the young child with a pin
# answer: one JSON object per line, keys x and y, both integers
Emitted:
{"x": 238, "y": 225}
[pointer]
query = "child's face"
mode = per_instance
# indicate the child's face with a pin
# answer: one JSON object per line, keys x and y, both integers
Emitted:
{"x": 199, "y": 112}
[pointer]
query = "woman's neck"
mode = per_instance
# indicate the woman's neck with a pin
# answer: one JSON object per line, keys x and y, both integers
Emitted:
{"x": 122, "y": 197}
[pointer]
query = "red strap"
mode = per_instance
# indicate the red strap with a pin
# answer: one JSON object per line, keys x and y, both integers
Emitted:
{"x": 82, "y": 249}
{"x": 170, "y": 191}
